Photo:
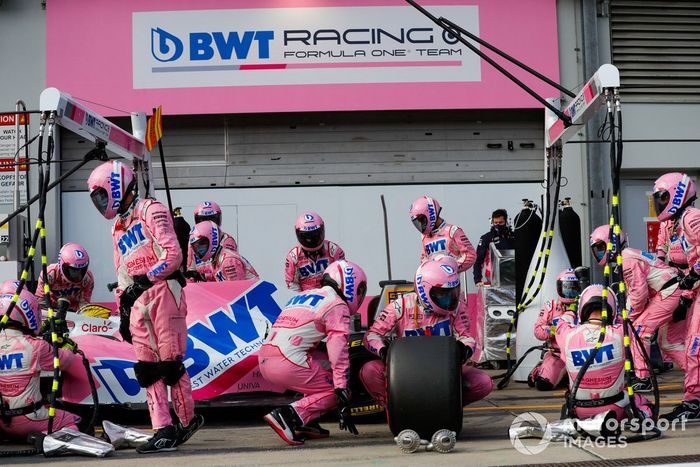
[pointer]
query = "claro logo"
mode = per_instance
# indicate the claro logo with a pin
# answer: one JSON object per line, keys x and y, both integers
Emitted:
{"x": 204, "y": 46}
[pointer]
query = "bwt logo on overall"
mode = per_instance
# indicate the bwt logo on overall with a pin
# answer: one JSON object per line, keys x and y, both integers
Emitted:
{"x": 206, "y": 46}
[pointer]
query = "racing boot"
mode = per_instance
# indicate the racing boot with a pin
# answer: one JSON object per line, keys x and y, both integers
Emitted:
{"x": 285, "y": 422}
{"x": 642, "y": 385}
{"x": 687, "y": 410}
{"x": 164, "y": 440}
{"x": 185, "y": 432}
{"x": 311, "y": 430}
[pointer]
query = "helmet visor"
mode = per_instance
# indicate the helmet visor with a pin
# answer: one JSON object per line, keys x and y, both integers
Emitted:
{"x": 446, "y": 298}
{"x": 661, "y": 199}
{"x": 74, "y": 274}
{"x": 200, "y": 247}
{"x": 568, "y": 289}
{"x": 420, "y": 222}
{"x": 361, "y": 292}
{"x": 215, "y": 218}
{"x": 311, "y": 238}
{"x": 598, "y": 249}
{"x": 100, "y": 199}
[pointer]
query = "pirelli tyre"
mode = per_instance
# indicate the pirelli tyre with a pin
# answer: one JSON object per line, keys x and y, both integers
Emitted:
{"x": 424, "y": 385}
{"x": 361, "y": 405}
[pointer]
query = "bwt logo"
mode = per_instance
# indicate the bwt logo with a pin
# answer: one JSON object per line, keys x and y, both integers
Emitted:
{"x": 313, "y": 268}
{"x": 605, "y": 353}
{"x": 133, "y": 238}
{"x": 679, "y": 195}
{"x": 436, "y": 246}
{"x": 203, "y": 46}
{"x": 7, "y": 360}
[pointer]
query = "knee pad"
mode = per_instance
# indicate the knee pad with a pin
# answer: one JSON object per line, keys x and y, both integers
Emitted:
{"x": 171, "y": 371}
{"x": 543, "y": 384}
{"x": 147, "y": 373}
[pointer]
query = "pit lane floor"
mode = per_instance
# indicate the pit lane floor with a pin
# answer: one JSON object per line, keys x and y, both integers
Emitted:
{"x": 239, "y": 437}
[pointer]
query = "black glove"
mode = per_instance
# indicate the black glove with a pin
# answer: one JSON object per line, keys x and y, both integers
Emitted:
{"x": 465, "y": 351}
{"x": 124, "y": 321}
{"x": 134, "y": 291}
{"x": 681, "y": 310}
{"x": 382, "y": 353}
{"x": 198, "y": 277}
{"x": 345, "y": 422}
{"x": 689, "y": 280}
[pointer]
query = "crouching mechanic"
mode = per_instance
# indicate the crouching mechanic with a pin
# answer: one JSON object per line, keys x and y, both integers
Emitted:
{"x": 69, "y": 278}
{"x": 24, "y": 356}
{"x": 439, "y": 237}
{"x": 307, "y": 261}
{"x": 653, "y": 295}
{"x": 208, "y": 211}
{"x": 602, "y": 387}
{"x": 287, "y": 356}
{"x": 551, "y": 370}
{"x": 436, "y": 309}
{"x": 216, "y": 262}
{"x": 674, "y": 195}
{"x": 151, "y": 300}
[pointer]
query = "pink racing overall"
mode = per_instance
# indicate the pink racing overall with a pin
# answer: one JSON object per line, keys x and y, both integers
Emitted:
{"x": 672, "y": 335}
{"x": 78, "y": 294}
{"x": 303, "y": 269}
{"x": 604, "y": 379}
{"x": 652, "y": 296}
{"x": 193, "y": 263}
{"x": 145, "y": 243}
{"x": 23, "y": 357}
{"x": 449, "y": 239}
{"x": 405, "y": 316}
{"x": 227, "y": 265}
{"x": 552, "y": 368}
{"x": 689, "y": 226}
{"x": 287, "y": 357}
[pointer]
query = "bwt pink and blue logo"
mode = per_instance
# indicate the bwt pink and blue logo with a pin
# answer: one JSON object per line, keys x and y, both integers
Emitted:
{"x": 204, "y": 46}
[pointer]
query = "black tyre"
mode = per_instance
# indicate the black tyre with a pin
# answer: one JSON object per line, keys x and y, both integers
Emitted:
{"x": 362, "y": 405}
{"x": 424, "y": 385}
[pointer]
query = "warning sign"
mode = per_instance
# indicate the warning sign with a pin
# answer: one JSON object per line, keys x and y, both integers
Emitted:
{"x": 8, "y": 148}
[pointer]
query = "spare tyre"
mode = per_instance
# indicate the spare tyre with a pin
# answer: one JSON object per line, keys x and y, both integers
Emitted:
{"x": 424, "y": 385}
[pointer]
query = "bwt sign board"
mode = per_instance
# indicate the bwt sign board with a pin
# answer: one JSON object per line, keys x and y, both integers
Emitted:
{"x": 236, "y": 56}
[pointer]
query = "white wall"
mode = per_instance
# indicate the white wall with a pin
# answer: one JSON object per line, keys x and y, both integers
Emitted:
{"x": 262, "y": 220}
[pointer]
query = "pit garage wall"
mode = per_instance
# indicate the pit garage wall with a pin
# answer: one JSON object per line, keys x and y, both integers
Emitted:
{"x": 262, "y": 221}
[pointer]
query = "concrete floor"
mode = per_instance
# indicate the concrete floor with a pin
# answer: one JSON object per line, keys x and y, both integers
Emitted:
{"x": 246, "y": 440}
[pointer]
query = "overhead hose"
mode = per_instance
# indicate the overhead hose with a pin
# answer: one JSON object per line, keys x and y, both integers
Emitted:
{"x": 553, "y": 173}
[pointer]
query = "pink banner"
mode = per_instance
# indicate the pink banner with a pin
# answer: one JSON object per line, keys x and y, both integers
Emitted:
{"x": 242, "y": 56}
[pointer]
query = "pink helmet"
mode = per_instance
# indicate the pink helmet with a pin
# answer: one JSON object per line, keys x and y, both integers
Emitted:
{"x": 73, "y": 261}
{"x": 568, "y": 286}
{"x": 204, "y": 240}
{"x": 26, "y": 311}
{"x": 672, "y": 192}
{"x": 437, "y": 285}
{"x": 110, "y": 183}
{"x": 207, "y": 211}
{"x": 592, "y": 299}
{"x": 424, "y": 214}
{"x": 599, "y": 243}
{"x": 349, "y": 280}
{"x": 310, "y": 231}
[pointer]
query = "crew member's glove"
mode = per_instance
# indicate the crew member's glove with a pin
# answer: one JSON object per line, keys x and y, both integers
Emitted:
{"x": 345, "y": 422}
{"x": 69, "y": 344}
{"x": 134, "y": 291}
{"x": 124, "y": 321}
{"x": 681, "y": 310}
{"x": 465, "y": 351}
{"x": 689, "y": 280}
{"x": 196, "y": 276}
{"x": 382, "y": 353}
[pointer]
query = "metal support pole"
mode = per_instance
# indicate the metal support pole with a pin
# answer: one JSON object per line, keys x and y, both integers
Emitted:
{"x": 598, "y": 163}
